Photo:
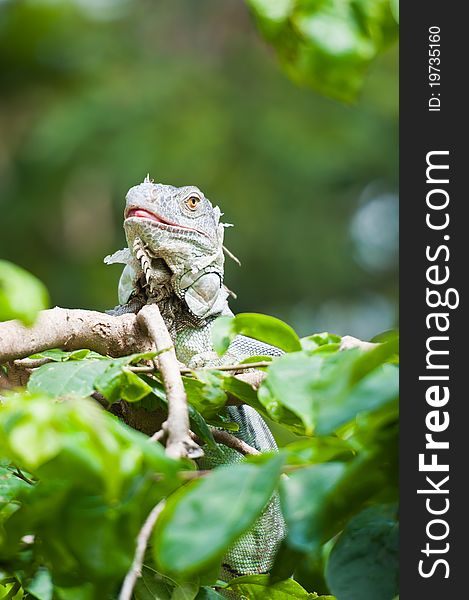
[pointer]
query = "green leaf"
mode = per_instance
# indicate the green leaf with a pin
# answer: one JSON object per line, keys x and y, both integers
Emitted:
{"x": 327, "y": 45}
{"x": 273, "y": 10}
{"x": 243, "y": 391}
{"x": 205, "y": 393}
{"x": 327, "y": 390}
{"x": 22, "y": 296}
{"x": 10, "y": 485}
{"x": 309, "y": 572}
{"x": 260, "y": 327}
{"x": 364, "y": 562}
{"x": 395, "y": 9}
{"x": 317, "y": 450}
{"x": 200, "y": 427}
{"x": 153, "y": 586}
{"x": 98, "y": 481}
{"x": 383, "y": 353}
{"x": 91, "y": 531}
{"x": 290, "y": 384}
{"x": 66, "y": 379}
{"x": 75, "y": 441}
{"x": 224, "y": 422}
{"x": 258, "y": 587}
{"x": 41, "y": 586}
{"x": 58, "y": 355}
{"x": 223, "y": 333}
{"x": 372, "y": 430}
{"x": 317, "y": 340}
{"x": 78, "y": 374}
{"x": 79, "y": 592}
{"x": 208, "y": 393}
{"x": 198, "y": 424}
{"x": 379, "y": 388}
{"x": 133, "y": 359}
{"x": 185, "y": 591}
{"x": 117, "y": 383}
{"x": 335, "y": 491}
{"x": 216, "y": 510}
{"x": 255, "y": 359}
{"x": 304, "y": 520}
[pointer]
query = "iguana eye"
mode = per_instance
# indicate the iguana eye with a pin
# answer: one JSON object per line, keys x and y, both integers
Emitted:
{"x": 192, "y": 202}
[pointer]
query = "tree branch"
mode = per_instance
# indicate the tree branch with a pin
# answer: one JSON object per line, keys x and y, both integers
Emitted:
{"x": 18, "y": 473}
{"x": 349, "y": 342}
{"x": 227, "y": 439}
{"x": 31, "y": 363}
{"x": 142, "y": 541}
{"x": 238, "y": 367}
{"x": 73, "y": 329}
{"x": 179, "y": 443}
{"x": 224, "y": 437}
{"x": 5, "y": 383}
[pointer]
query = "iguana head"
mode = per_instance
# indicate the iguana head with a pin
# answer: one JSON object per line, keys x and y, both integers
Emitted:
{"x": 163, "y": 214}
{"x": 175, "y": 238}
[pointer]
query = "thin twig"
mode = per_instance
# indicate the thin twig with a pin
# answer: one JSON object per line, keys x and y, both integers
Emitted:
{"x": 143, "y": 368}
{"x": 223, "y": 437}
{"x": 142, "y": 541}
{"x": 349, "y": 342}
{"x": 13, "y": 591}
{"x": 32, "y": 363}
{"x": 179, "y": 443}
{"x": 22, "y": 476}
{"x": 158, "y": 436}
{"x": 239, "y": 367}
{"x": 227, "y": 439}
{"x": 101, "y": 400}
{"x": 185, "y": 370}
{"x": 231, "y": 255}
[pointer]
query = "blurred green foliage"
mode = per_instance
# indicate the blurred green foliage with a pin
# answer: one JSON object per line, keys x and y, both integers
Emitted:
{"x": 22, "y": 295}
{"x": 93, "y": 95}
{"x": 76, "y": 484}
{"x": 327, "y": 44}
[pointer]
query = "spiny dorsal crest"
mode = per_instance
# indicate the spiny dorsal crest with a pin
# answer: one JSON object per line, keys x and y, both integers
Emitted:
{"x": 143, "y": 259}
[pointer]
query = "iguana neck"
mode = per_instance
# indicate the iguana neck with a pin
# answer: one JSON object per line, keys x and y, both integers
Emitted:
{"x": 155, "y": 284}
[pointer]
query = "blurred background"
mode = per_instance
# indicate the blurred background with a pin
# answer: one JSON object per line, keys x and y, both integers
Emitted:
{"x": 95, "y": 94}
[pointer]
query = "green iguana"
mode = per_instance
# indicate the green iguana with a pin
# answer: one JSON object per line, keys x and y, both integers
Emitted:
{"x": 175, "y": 258}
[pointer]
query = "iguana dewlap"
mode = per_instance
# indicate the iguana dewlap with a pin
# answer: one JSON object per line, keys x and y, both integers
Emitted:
{"x": 175, "y": 258}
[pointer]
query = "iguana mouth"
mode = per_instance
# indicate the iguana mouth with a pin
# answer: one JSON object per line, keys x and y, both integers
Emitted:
{"x": 141, "y": 213}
